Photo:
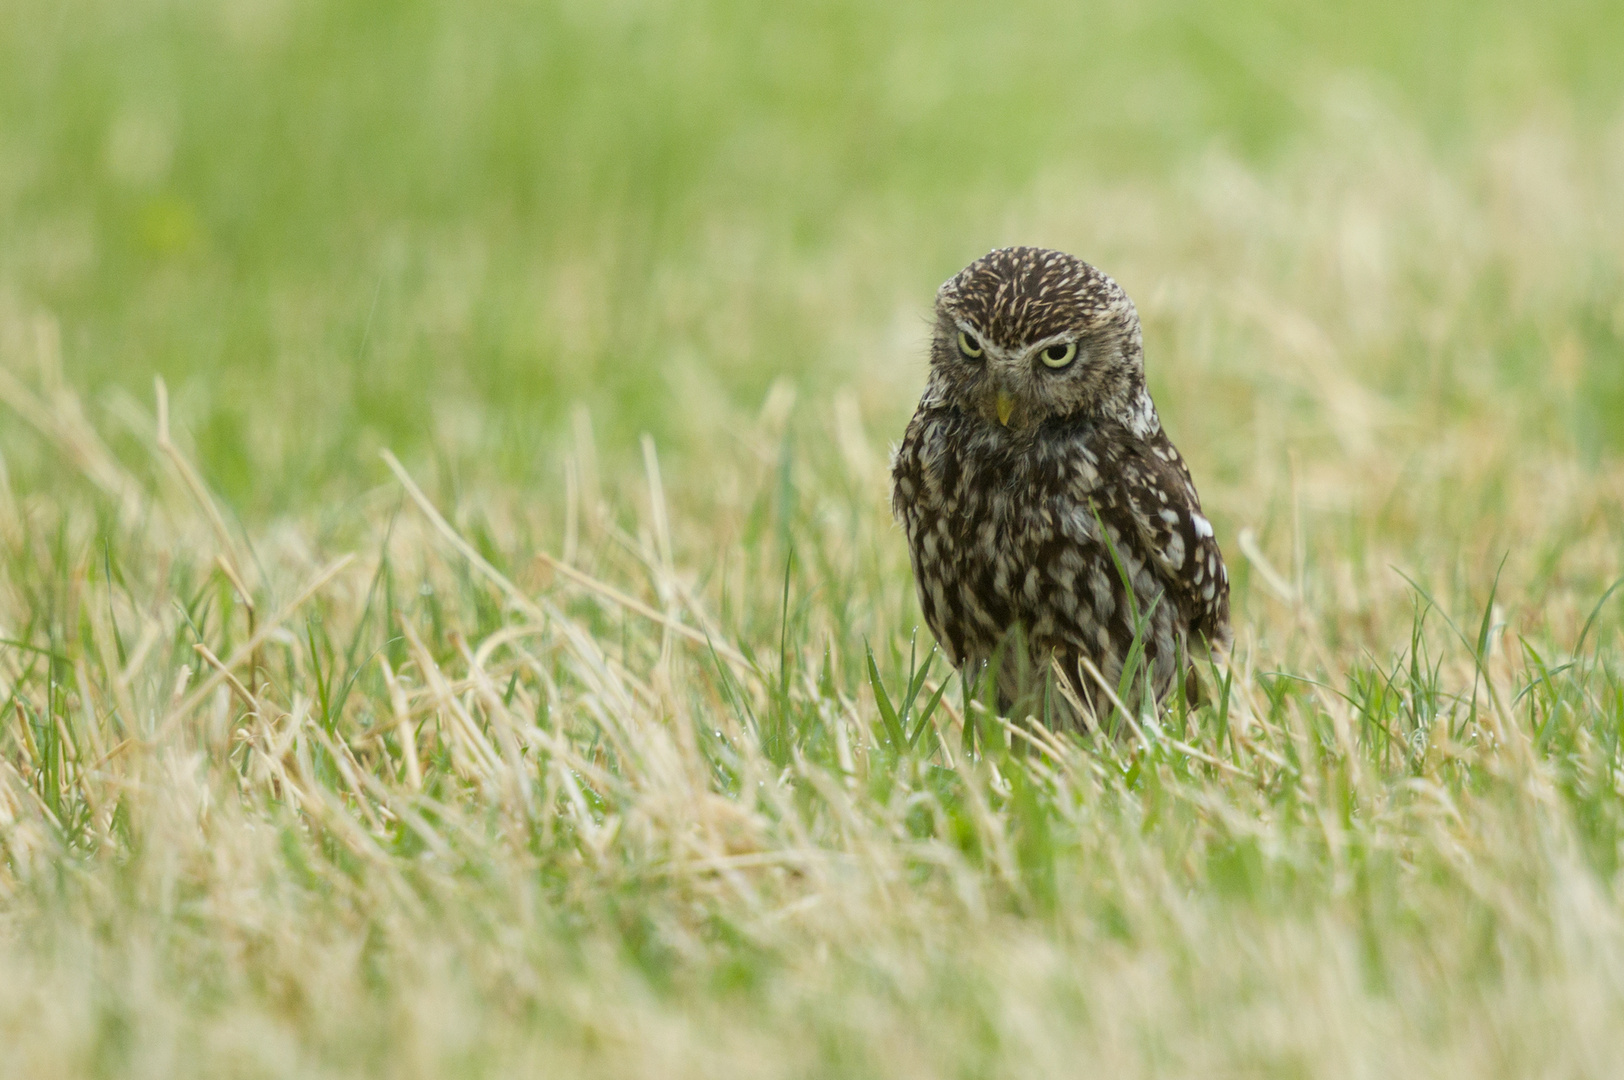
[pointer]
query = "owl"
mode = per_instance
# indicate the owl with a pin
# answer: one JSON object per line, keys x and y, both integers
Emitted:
{"x": 1051, "y": 523}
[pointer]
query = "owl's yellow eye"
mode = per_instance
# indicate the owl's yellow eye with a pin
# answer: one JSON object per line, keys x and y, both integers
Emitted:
{"x": 1059, "y": 355}
{"x": 969, "y": 346}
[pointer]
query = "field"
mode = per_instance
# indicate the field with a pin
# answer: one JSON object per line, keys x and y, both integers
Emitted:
{"x": 451, "y": 622}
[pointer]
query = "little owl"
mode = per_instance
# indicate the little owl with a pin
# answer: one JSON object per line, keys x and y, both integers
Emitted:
{"x": 1035, "y": 484}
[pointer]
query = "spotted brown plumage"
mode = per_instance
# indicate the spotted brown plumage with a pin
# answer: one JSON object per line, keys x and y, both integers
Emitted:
{"x": 1034, "y": 455}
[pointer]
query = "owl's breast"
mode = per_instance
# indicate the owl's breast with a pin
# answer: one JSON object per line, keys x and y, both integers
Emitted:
{"x": 999, "y": 528}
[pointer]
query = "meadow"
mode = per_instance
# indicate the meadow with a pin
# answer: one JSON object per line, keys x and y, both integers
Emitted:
{"x": 451, "y": 622}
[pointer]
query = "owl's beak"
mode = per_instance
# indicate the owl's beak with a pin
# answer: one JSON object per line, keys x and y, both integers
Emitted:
{"x": 1006, "y": 405}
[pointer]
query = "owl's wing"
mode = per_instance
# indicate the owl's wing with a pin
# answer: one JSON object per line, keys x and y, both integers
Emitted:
{"x": 1159, "y": 498}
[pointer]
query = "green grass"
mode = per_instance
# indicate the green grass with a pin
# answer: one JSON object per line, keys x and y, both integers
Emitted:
{"x": 567, "y": 751}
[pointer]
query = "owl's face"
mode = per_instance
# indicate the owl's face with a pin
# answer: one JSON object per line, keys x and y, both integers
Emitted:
{"x": 1024, "y": 335}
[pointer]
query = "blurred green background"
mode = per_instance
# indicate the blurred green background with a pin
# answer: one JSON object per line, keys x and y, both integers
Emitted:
{"x": 335, "y": 226}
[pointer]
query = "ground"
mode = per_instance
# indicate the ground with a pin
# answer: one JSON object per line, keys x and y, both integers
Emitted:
{"x": 453, "y": 624}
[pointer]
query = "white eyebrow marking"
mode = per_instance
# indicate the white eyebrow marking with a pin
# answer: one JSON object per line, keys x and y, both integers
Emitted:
{"x": 1024, "y": 351}
{"x": 1031, "y": 349}
{"x": 996, "y": 352}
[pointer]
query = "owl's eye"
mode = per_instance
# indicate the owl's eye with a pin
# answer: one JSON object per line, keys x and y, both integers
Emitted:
{"x": 969, "y": 346}
{"x": 1059, "y": 355}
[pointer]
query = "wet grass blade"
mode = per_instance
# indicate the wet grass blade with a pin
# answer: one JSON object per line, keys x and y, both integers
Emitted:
{"x": 882, "y": 700}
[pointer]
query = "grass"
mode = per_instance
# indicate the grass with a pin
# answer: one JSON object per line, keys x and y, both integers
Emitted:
{"x": 590, "y": 731}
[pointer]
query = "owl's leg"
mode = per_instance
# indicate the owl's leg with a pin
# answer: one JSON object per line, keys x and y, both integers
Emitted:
{"x": 1012, "y": 660}
{"x": 1072, "y": 696}
{"x": 1021, "y": 678}
{"x": 1035, "y": 680}
{"x": 1001, "y": 682}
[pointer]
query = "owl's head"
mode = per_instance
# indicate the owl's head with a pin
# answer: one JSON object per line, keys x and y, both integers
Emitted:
{"x": 1024, "y": 335}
